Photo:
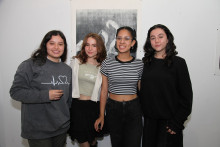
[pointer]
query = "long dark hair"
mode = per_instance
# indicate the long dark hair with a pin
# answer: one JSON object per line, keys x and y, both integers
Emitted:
{"x": 170, "y": 48}
{"x": 101, "y": 50}
{"x": 40, "y": 55}
{"x": 133, "y": 35}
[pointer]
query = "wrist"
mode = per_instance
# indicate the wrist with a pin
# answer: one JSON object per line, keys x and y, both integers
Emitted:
{"x": 101, "y": 115}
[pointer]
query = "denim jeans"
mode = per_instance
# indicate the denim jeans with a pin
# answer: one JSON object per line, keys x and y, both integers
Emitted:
{"x": 124, "y": 120}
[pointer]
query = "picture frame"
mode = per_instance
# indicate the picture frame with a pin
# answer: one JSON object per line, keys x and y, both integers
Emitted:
{"x": 103, "y": 18}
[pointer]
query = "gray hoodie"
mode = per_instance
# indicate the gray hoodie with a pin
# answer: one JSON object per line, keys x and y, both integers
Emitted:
{"x": 40, "y": 117}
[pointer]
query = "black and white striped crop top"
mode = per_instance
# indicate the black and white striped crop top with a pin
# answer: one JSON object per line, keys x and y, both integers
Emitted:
{"x": 122, "y": 76}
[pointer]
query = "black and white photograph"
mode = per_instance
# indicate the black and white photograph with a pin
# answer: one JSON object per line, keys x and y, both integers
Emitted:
{"x": 104, "y": 22}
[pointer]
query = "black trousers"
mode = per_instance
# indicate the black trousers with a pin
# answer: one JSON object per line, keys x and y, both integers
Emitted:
{"x": 124, "y": 120}
{"x": 56, "y": 141}
{"x": 155, "y": 135}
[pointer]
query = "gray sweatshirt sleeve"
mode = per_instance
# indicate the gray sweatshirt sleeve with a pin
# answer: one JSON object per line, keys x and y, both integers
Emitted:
{"x": 21, "y": 89}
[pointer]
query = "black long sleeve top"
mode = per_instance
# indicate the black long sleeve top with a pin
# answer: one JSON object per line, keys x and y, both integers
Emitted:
{"x": 166, "y": 92}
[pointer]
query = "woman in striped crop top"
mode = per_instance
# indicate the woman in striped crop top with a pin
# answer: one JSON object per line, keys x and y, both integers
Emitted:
{"x": 120, "y": 79}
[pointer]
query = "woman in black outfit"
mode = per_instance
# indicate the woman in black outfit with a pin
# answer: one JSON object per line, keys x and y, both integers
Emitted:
{"x": 166, "y": 91}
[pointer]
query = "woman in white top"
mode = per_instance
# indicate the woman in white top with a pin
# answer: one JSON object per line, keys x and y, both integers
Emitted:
{"x": 87, "y": 80}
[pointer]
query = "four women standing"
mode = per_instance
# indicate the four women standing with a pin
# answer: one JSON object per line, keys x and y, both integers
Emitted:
{"x": 43, "y": 84}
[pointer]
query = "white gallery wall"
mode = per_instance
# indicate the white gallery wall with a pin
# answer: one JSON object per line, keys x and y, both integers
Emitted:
{"x": 194, "y": 24}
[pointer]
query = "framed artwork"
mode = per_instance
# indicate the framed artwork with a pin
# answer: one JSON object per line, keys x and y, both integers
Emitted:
{"x": 105, "y": 23}
{"x": 103, "y": 18}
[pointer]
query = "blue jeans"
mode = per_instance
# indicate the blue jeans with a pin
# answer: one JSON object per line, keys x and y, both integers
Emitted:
{"x": 124, "y": 121}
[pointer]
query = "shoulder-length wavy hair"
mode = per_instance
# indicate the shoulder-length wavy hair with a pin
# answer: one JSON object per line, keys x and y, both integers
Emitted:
{"x": 170, "y": 48}
{"x": 40, "y": 54}
{"x": 101, "y": 50}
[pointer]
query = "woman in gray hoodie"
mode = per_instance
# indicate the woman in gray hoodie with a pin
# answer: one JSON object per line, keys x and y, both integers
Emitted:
{"x": 43, "y": 85}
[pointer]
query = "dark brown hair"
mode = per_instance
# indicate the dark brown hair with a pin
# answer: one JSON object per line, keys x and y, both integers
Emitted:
{"x": 133, "y": 35}
{"x": 170, "y": 48}
{"x": 40, "y": 54}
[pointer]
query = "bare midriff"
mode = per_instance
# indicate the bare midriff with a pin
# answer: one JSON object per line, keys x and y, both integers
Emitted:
{"x": 122, "y": 98}
{"x": 84, "y": 97}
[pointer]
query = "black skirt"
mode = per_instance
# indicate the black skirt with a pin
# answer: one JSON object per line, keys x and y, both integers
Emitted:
{"x": 83, "y": 114}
